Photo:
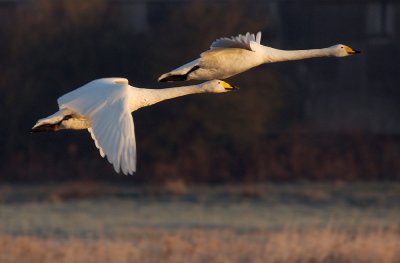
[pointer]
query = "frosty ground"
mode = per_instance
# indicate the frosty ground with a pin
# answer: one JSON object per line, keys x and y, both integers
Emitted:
{"x": 102, "y": 222}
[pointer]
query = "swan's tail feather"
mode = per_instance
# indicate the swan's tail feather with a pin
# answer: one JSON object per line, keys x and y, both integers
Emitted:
{"x": 46, "y": 127}
{"x": 62, "y": 120}
{"x": 172, "y": 78}
{"x": 175, "y": 76}
{"x": 51, "y": 123}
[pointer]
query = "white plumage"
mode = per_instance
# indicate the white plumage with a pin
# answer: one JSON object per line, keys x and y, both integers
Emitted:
{"x": 240, "y": 41}
{"x": 104, "y": 107}
{"x": 230, "y": 56}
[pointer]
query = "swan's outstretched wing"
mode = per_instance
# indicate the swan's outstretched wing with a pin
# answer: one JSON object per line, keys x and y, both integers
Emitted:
{"x": 113, "y": 132}
{"x": 105, "y": 103}
{"x": 240, "y": 41}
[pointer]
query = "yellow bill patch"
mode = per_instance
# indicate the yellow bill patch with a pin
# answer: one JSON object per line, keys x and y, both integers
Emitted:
{"x": 349, "y": 50}
{"x": 226, "y": 85}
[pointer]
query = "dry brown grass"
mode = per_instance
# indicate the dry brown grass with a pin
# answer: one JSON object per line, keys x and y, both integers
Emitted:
{"x": 153, "y": 245}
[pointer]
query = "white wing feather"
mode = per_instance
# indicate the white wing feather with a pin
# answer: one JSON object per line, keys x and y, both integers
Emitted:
{"x": 105, "y": 104}
{"x": 113, "y": 130}
{"x": 102, "y": 154}
{"x": 240, "y": 41}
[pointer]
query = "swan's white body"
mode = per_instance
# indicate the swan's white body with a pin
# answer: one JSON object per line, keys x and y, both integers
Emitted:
{"x": 230, "y": 56}
{"x": 104, "y": 107}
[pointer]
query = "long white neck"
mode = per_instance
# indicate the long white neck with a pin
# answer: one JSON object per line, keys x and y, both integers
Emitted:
{"x": 277, "y": 55}
{"x": 147, "y": 97}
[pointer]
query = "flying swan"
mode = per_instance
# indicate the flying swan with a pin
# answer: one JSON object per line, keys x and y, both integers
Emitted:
{"x": 104, "y": 107}
{"x": 230, "y": 56}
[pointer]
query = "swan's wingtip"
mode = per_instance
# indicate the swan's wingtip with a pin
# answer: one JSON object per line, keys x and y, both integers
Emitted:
{"x": 126, "y": 172}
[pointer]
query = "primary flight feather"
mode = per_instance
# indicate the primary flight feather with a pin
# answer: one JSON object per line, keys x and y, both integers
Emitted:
{"x": 104, "y": 107}
{"x": 230, "y": 56}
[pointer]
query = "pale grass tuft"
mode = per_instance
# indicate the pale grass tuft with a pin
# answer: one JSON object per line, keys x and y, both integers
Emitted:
{"x": 326, "y": 245}
{"x": 79, "y": 190}
{"x": 176, "y": 186}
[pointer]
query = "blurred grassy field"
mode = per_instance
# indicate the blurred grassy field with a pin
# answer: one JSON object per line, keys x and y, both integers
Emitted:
{"x": 99, "y": 222}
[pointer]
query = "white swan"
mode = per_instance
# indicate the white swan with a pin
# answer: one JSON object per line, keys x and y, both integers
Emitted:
{"x": 104, "y": 107}
{"x": 231, "y": 56}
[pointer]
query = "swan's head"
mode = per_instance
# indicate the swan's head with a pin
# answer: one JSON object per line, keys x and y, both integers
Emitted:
{"x": 343, "y": 50}
{"x": 218, "y": 86}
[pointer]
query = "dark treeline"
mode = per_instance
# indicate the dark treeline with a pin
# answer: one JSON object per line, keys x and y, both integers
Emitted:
{"x": 48, "y": 48}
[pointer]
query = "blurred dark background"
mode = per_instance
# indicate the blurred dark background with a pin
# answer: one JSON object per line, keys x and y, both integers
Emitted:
{"x": 322, "y": 119}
